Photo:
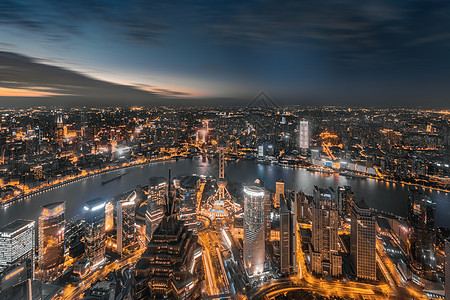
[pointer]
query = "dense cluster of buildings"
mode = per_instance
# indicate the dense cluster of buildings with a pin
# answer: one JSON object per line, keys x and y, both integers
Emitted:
{"x": 41, "y": 147}
{"x": 190, "y": 236}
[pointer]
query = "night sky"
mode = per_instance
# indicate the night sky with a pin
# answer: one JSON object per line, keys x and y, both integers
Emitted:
{"x": 338, "y": 52}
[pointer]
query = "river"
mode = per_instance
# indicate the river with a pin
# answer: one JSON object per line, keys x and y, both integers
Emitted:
{"x": 383, "y": 196}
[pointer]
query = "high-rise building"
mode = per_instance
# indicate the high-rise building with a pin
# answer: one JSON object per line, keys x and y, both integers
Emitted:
{"x": 126, "y": 222}
{"x": 187, "y": 192}
{"x": 254, "y": 237}
{"x": 109, "y": 216}
{"x": 447, "y": 269}
{"x": 325, "y": 256}
{"x": 279, "y": 190}
{"x": 287, "y": 233}
{"x": 171, "y": 267}
{"x": 17, "y": 245}
{"x": 157, "y": 193}
{"x": 95, "y": 238}
{"x": 422, "y": 239}
{"x": 362, "y": 241}
{"x": 59, "y": 129}
{"x": 51, "y": 230}
{"x": 345, "y": 198}
{"x": 304, "y": 135}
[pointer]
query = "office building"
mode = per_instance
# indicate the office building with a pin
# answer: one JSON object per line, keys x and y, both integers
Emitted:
{"x": 187, "y": 193}
{"x": 287, "y": 233}
{"x": 126, "y": 222}
{"x": 51, "y": 230}
{"x": 157, "y": 193}
{"x": 304, "y": 135}
{"x": 254, "y": 237}
{"x": 279, "y": 190}
{"x": 95, "y": 238}
{"x": 422, "y": 238}
{"x": 325, "y": 256}
{"x": 17, "y": 246}
{"x": 363, "y": 241}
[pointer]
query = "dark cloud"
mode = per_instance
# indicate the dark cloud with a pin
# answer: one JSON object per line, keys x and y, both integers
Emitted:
{"x": 330, "y": 50}
{"x": 369, "y": 31}
{"x": 59, "y": 20}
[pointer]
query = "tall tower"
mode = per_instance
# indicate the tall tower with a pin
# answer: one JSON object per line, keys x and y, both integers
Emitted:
{"x": 157, "y": 193}
{"x": 171, "y": 267}
{"x": 325, "y": 256}
{"x": 254, "y": 238}
{"x": 421, "y": 218}
{"x": 362, "y": 241}
{"x": 126, "y": 217}
{"x": 279, "y": 190}
{"x": 304, "y": 135}
{"x": 51, "y": 227}
{"x": 287, "y": 251}
{"x": 222, "y": 200}
{"x": 59, "y": 129}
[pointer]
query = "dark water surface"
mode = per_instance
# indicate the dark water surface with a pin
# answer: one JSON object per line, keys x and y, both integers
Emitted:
{"x": 380, "y": 195}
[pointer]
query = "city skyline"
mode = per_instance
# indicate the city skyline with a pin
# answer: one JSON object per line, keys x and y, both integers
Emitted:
{"x": 253, "y": 149}
{"x": 333, "y": 52}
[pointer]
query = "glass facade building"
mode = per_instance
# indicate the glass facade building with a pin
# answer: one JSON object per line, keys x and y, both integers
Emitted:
{"x": 363, "y": 241}
{"x": 51, "y": 228}
{"x": 254, "y": 237}
{"x": 157, "y": 193}
{"x": 17, "y": 240}
{"x": 95, "y": 238}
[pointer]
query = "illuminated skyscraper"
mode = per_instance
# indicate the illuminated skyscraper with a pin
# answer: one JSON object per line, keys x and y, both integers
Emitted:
{"x": 279, "y": 190}
{"x": 422, "y": 239}
{"x": 17, "y": 246}
{"x": 109, "y": 216}
{"x": 126, "y": 222}
{"x": 254, "y": 238}
{"x": 95, "y": 238}
{"x": 325, "y": 257}
{"x": 304, "y": 135}
{"x": 51, "y": 228}
{"x": 287, "y": 236}
{"x": 157, "y": 193}
{"x": 171, "y": 267}
{"x": 362, "y": 241}
{"x": 59, "y": 129}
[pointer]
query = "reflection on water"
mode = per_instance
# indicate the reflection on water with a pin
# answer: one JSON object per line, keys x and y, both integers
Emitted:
{"x": 381, "y": 195}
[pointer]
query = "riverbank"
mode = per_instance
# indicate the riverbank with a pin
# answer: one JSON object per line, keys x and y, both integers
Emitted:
{"x": 84, "y": 175}
{"x": 362, "y": 176}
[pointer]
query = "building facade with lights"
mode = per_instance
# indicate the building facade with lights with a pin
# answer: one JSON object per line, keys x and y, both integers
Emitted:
{"x": 287, "y": 236}
{"x": 325, "y": 256}
{"x": 254, "y": 237}
{"x": 126, "y": 222}
{"x": 422, "y": 235}
{"x": 95, "y": 238}
{"x": 171, "y": 267}
{"x": 17, "y": 240}
{"x": 363, "y": 241}
{"x": 51, "y": 228}
{"x": 304, "y": 135}
{"x": 157, "y": 193}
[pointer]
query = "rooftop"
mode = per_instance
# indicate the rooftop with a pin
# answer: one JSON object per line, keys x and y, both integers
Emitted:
{"x": 15, "y": 225}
